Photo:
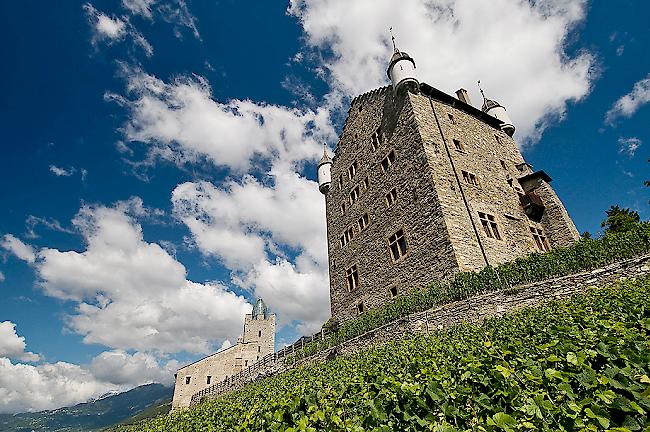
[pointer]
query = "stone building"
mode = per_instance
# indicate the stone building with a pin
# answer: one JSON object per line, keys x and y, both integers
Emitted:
{"x": 422, "y": 185}
{"x": 257, "y": 341}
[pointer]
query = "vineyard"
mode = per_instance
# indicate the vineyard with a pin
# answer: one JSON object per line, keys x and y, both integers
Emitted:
{"x": 575, "y": 364}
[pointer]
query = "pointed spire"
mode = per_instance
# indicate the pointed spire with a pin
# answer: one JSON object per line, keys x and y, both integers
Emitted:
{"x": 326, "y": 157}
{"x": 392, "y": 37}
{"x": 488, "y": 104}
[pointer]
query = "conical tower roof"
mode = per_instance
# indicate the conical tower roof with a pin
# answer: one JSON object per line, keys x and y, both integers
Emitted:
{"x": 326, "y": 158}
{"x": 260, "y": 309}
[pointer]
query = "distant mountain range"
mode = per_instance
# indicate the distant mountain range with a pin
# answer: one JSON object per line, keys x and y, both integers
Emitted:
{"x": 94, "y": 415}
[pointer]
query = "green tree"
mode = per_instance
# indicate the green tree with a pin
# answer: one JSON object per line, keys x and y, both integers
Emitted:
{"x": 620, "y": 219}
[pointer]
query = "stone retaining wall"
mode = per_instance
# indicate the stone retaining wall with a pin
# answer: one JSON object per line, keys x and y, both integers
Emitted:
{"x": 473, "y": 309}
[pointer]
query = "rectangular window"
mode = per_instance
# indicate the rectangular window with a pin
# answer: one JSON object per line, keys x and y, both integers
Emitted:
{"x": 489, "y": 225}
{"x": 366, "y": 183}
{"x": 451, "y": 119}
{"x": 340, "y": 182}
{"x": 393, "y": 292}
{"x": 498, "y": 138}
{"x": 354, "y": 195}
{"x": 391, "y": 197}
{"x": 388, "y": 161}
{"x": 470, "y": 178}
{"x": 245, "y": 363}
{"x": 347, "y": 236}
{"x": 397, "y": 245}
{"x": 342, "y": 208}
{"x": 188, "y": 379}
{"x": 352, "y": 278}
{"x": 361, "y": 308}
{"x": 208, "y": 380}
{"x": 259, "y": 349}
{"x": 503, "y": 164}
{"x": 363, "y": 222}
{"x": 259, "y": 333}
{"x": 376, "y": 139}
{"x": 540, "y": 239}
{"x": 458, "y": 145}
{"x": 352, "y": 170}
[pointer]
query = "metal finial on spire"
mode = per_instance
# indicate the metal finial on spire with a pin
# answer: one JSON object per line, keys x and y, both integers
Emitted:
{"x": 392, "y": 37}
{"x": 479, "y": 87}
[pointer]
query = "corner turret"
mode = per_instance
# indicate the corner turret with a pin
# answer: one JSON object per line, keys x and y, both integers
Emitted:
{"x": 401, "y": 70}
{"x": 495, "y": 109}
{"x": 324, "y": 173}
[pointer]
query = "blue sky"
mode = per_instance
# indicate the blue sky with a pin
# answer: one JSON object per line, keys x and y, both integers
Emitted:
{"x": 158, "y": 158}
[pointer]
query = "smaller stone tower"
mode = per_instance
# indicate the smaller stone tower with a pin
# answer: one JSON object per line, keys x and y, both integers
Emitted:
{"x": 258, "y": 339}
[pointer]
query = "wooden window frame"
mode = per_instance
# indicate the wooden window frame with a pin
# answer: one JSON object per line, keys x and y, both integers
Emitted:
{"x": 397, "y": 247}
{"x": 352, "y": 279}
{"x": 490, "y": 226}
{"x": 388, "y": 161}
{"x": 391, "y": 198}
{"x": 540, "y": 239}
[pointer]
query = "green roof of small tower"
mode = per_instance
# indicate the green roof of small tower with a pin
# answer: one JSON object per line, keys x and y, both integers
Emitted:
{"x": 260, "y": 309}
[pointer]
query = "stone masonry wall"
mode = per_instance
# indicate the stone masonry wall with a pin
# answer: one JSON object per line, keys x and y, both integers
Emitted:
{"x": 440, "y": 317}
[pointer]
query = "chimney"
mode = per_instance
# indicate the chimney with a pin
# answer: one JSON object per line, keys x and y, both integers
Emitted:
{"x": 463, "y": 96}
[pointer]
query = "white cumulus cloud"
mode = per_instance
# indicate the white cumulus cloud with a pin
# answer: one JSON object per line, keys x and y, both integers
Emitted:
{"x": 13, "y": 346}
{"x": 16, "y": 246}
{"x": 630, "y": 103}
{"x": 516, "y": 48}
{"x": 110, "y": 29}
{"x": 131, "y": 294}
{"x": 121, "y": 368}
{"x": 62, "y": 172}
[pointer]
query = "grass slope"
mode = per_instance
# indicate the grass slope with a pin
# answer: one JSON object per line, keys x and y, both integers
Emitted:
{"x": 574, "y": 364}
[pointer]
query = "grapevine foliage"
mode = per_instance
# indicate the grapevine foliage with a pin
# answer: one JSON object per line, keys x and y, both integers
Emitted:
{"x": 574, "y": 364}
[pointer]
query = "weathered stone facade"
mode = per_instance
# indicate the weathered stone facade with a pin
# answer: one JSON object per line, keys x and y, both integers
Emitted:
{"x": 426, "y": 167}
{"x": 257, "y": 341}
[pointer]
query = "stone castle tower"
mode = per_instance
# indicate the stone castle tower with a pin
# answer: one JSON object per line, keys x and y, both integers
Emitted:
{"x": 257, "y": 341}
{"x": 423, "y": 185}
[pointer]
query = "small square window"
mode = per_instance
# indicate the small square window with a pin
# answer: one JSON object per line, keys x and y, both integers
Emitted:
{"x": 363, "y": 222}
{"x": 208, "y": 380}
{"x": 188, "y": 379}
{"x": 470, "y": 178}
{"x": 458, "y": 145}
{"x": 393, "y": 292}
{"x": 361, "y": 308}
{"x": 388, "y": 161}
{"x": 391, "y": 197}
{"x": 397, "y": 245}
{"x": 489, "y": 225}
{"x": 451, "y": 118}
{"x": 352, "y": 278}
{"x": 503, "y": 164}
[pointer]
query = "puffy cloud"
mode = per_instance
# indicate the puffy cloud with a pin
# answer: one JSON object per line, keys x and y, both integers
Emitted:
{"x": 12, "y": 345}
{"x": 14, "y": 245}
{"x": 62, "y": 172}
{"x": 629, "y": 146}
{"x": 121, "y": 368}
{"x": 131, "y": 294}
{"x": 181, "y": 122}
{"x": 249, "y": 226}
{"x": 516, "y": 48}
{"x": 139, "y": 7}
{"x": 48, "y": 386}
{"x": 630, "y": 103}
{"x": 110, "y": 29}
